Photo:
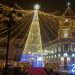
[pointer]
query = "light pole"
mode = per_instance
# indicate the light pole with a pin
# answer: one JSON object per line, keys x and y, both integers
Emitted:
{"x": 9, "y": 23}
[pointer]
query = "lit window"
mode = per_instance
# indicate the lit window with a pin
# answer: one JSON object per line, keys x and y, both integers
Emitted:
{"x": 65, "y": 54}
{"x": 65, "y": 32}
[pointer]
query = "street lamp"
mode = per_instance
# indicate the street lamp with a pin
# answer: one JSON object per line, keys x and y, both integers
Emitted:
{"x": 9, "y": 22}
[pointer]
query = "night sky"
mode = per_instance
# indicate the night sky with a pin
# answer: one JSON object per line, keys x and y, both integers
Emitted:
{"x": 46, "y": 5}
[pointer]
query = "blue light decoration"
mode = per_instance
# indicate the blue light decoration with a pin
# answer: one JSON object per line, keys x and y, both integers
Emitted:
{"x": 25, "y": 57}
{"x": 73, "y": 69}
{"x": 36, "y": 59}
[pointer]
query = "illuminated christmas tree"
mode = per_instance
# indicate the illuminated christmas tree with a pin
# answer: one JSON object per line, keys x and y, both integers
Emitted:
{"x": 33, "y": 46}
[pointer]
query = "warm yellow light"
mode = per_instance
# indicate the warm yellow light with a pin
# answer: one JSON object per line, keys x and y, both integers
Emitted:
{"x": 66, "y": 20}
{"x": 62, "y": 58}
{"x": 55, "y": 56}
{"x": 66, "y": 33}
{"x": 33, "y": 43}
{"x": 36, "y": 7}
{"x": 29, "y": 52}
{"x": 68, "y": 3}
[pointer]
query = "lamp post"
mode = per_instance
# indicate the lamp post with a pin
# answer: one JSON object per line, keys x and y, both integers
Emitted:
{"x": 9, "y": 21}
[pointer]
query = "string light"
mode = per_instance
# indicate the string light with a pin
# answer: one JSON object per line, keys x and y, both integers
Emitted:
{"x": 25, "y": 17}
{"x": 33, "y": 42}
{"x": 28, "y": 20}
{"x": 45, "y": 18}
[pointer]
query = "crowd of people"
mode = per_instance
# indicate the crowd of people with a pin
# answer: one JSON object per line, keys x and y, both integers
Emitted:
{"x": 15, "y": 68}
{"x": 18, "y": 68}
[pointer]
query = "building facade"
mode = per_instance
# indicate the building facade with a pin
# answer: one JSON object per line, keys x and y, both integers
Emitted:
{"x": 62, "y": 49}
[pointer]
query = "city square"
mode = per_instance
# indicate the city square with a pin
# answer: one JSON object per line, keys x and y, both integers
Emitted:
{"x": 37, "y": 40}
